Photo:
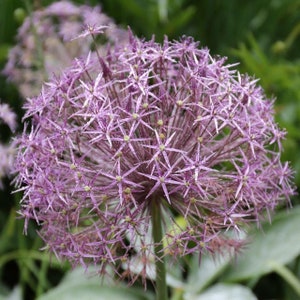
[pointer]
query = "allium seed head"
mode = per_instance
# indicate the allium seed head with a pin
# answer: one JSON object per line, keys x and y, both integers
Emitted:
{"x": 148, "y": 123}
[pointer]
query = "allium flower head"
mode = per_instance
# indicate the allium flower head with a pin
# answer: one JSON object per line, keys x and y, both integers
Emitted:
{"x": 45, "y": 43}
{"x": 7, "y": 154}
{"x": 8, "y": 117}
{"x": 148, "y": 124}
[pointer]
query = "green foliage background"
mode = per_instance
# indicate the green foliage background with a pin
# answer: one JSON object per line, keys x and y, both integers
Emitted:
{"x": 263, "y": 35}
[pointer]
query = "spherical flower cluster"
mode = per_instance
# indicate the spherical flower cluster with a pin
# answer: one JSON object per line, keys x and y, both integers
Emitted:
{"x": 45, "y": 43}
{"x": 148, "y": 125}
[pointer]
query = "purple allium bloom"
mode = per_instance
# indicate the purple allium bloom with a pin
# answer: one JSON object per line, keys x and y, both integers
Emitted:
{"x": 8, "y": 117}
{"x": 148, "y": 123}
{"x": 45, "y": 43}
{"x": 7, "y": 154}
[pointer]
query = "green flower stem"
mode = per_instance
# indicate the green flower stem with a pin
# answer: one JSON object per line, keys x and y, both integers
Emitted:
{"x": 161, "y": 285}
{"x": 286, "y": 274}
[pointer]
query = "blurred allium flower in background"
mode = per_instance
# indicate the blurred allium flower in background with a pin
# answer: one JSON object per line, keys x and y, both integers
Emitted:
{"x": 7, "y": 151}
{"x": 7, "y": 116}
{"x": 45, "y": 46}
{"x": 148, "y": 125}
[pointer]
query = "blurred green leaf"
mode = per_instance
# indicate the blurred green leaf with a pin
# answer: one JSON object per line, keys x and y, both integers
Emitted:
{"x": 94, "y": 292}
{"x": 8, "y": 231}
{"x": 163, "y": 10}
{"x": 155, "y": 17}
{"x": 181, "y": 20}
{"x": 15, "y": 294}
{"x": 78, "y": 285}
{"x": 3, "y": 290}
{"x": 206, "y": 272}
{"x": 278, "y": 242}
{"x": 4, "y": 48}
{"x": 225, "y": 292}
{"x": 87, "y": 277}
